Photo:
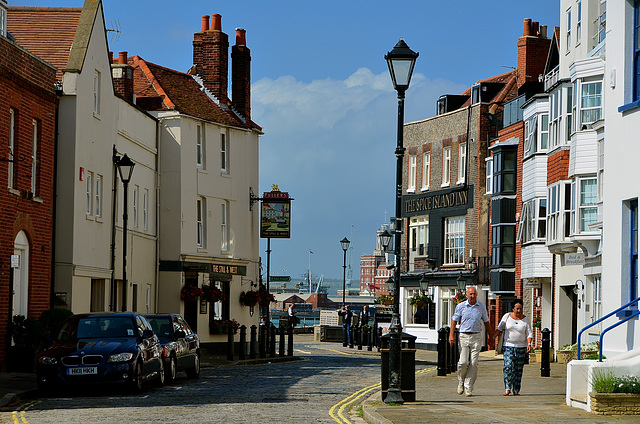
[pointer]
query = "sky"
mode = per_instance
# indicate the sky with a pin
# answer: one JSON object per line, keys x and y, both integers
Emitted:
{"x": 321, "y": 91}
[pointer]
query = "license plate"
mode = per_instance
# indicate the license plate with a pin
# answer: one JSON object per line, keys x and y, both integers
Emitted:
{"x": 82, "y": 371}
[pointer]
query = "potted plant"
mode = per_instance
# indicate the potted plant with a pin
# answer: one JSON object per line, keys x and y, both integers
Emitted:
{"x": 614, "y": 395}
{"x": 190, "y": 292}
{"x": 538, "y": 354}
{"x": 249, "y": 298}
{"x": 211, "y": 293}
{"x": 419, "y": 300}
{"x": 567, "y": 353}
{"x": 537, "y": 322}
{"x": 587, "y": 349}
{"x": 385, "y": 299}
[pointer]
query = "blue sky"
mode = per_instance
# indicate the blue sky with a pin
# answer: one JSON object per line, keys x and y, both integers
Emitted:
{"x": 322, "y": 93}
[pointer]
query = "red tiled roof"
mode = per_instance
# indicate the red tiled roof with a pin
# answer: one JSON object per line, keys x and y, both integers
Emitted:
{"x": 47, "y": 32}
{"x": 179, "y": 91}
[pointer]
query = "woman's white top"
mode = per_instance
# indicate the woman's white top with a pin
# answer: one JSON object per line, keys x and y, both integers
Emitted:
{"x": 516, "y": 331}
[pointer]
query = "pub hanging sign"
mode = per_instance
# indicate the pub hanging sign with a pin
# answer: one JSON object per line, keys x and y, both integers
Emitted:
{"x": 275, "y": 214}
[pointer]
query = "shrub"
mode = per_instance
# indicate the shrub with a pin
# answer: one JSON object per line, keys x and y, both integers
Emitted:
{"x": 603, "y": 381}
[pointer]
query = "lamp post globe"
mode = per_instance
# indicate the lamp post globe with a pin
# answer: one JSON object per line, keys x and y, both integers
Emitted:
{"x": 401, "y": 61}
{"x": 344, "y": 243}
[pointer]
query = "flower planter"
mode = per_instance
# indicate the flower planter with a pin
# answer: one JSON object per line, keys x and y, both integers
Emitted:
{"x": 615, "y": 403}
{"x": 387, "y": 302}
{"x": 533, "y": 357}
{"x": 421, "y": 303}
{"x": 565, "y": 356}
{"x": 585, "y": 353}
{"x": 538, "y": 355}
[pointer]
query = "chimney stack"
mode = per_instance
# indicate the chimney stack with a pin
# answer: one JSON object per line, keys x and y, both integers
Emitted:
{"x": 533, "y": 49}
{"x": 211, "y": 57}
{"x": 241, "y": 74}
{"x": 122, "y": 74}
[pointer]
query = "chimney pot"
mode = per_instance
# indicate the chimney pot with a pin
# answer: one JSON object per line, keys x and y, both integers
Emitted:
{"x": 534, "y": 32}
{"x": 110, "y": 57}
{"x": 205, "y": 23}
{"x": 122, "y": 58}
{"x": 216, "y": 22}
{"x": 526, "y": 28}
{"x": 241, "y": 37}
{"x": 543, "y": 31}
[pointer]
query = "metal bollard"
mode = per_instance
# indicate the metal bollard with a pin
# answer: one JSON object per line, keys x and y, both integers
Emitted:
{"x": 351, "y": 331}
{"x": 282, "y": 333}
{"x": 359, "y": 337}
{"x": 369, "y": 333}
{"x": 262, "y": 347}
{"x": 242, "y": 352}
{"x": 443, "y": 342}
{"x": 290, "y": 345}
{"x": 272, "y": 341}
{"x": 545, "y": 367}
{"x": 448, "y": 353}
{"x": 230, "y": 344}
{"x": 254, "y": 342}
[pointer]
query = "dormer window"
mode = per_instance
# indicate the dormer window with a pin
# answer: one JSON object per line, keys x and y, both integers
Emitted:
{"x": 3, "y": 18}
{"x": 475, "y": 94}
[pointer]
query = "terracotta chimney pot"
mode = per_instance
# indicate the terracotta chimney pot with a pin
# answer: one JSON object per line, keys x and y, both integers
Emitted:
{"x": 526, "y": 28}
{"x": 205, "y": 23}
{"x": 241, "y": 37}
{"x": 122, "y": 58}
{"x": 216, "y": 22}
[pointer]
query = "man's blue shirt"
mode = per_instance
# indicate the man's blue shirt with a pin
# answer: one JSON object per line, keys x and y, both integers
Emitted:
{"x": 470, "y": 318}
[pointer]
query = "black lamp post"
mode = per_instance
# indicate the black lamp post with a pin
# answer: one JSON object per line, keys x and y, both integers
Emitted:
{"x": 461, "y": 282}
{"x": 125, "y": 169}
{"x": 345, "y": 246}
{"x": 401, "y": 61}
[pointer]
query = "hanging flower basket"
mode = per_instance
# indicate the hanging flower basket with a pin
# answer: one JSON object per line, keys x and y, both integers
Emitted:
{"x": 264, "y": 297}
{"x": 419, "y": 300}
{"x": 212, "y": 294}
{"x": 459, "y": 298}
{"x": 190, "y": 292}
{"x": 249, "y": 298}
{"x": 385, "y": 299}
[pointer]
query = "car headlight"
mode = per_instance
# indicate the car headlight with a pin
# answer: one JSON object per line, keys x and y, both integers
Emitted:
{"x": 121, "y": 357}
{"x": 47, "y": 360}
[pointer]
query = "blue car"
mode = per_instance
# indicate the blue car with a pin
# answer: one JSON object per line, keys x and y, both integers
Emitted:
{"x": 102, "y": 348}
{"x": 181, "y": 346}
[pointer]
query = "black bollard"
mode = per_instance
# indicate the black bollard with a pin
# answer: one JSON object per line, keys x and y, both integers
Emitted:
{"x": 351, "y": 331}
{"x": 359, "y": 337}
{"x": 545, "y": 367}
{"x": 448, "y": 355}
{"x": 282, "y": 334}
{"x": 262, "y": 347}
{"x": 379, "y": 338}
{"x": 443, "y": 342}
{"x": 290, "y": 344}
{"x": 230, "y": 344}
{"x": 369, "y": 331}
{"x": 455, "y": 352}
{"x": 254, "y": 342}
{"x": 344, "y": 335}
{"x": 242, "y": 352}
{"x": 272, "y": 340}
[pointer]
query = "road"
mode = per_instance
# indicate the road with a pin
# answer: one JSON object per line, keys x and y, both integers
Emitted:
{"x": 319, "y": 389}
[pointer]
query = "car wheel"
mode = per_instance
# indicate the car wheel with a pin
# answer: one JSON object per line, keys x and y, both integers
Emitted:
{"x": 194, "y": 372}
{"x": 160, "y": 378}
{"x": 136, "y": 378}
{"x": 171, "y": 370}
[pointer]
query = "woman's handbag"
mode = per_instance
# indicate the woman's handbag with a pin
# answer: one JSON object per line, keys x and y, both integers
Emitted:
{"x": 500, "y": 343}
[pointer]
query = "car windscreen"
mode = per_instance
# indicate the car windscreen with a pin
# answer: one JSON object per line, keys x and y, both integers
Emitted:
{"x": 161, "y": 326}
{"x": 101, "y": 327}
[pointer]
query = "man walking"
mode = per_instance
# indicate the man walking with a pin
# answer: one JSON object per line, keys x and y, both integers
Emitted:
{"x": 346, "y": 323}
{"x": 470, "y": 314}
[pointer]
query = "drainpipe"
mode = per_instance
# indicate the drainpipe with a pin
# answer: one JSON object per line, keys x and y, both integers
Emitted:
{"x": 114, "y": 193}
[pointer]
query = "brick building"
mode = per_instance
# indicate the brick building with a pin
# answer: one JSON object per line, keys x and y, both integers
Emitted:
{"x": 27, "y": 134}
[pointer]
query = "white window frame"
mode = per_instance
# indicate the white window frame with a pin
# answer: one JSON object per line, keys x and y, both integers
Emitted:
{"x": 584, "y": 206}
{"x": 199, "y": 147}
{"x": 96, "y": 93}
{"x": 200, "y": 222}
{"x": 419, "y": 235}
{"x": 98, "y": 196}
{"x": 454, "y": 240}
{"x": 145, "y": 209}
{"x": 568, "y": 30}
{"x": 413, "y": 171}
{"x": 578, "y": 22}
{"x": 446, "y": 166}
{"x": 426, "y": 170}
{"x": 224, "y": 226}
{"x": 462, "y": 163}
{"x": 12, "y": 141}
{"x": 532, "y": 221}
{"x": 34, "y": 156}
{"x": 136, "y": 193}
{"x": 558, "y": 212}
{"x": 89, "y": 188}
{"x": 489, "y": 175}
{"x": 447, "y": 308}
{"x": 593, "y": 100}
{"x": 224, "y": 153}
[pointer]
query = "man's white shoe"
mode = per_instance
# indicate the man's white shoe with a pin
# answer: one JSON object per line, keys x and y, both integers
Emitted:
{"x": 468, "y": 393}
{"x": 460, "y": 389}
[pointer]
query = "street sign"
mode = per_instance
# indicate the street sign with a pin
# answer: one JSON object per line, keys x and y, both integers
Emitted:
{"x": 284, "y": 278}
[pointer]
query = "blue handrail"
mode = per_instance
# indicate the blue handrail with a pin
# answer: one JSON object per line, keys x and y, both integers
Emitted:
{"x": 633, "y": 315}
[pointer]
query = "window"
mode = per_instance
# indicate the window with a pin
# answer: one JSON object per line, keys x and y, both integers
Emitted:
{"x": 569, "y": 120}
{"x": 424, "y": 314}
{"x": 145, "y": 209}
{"x": 587, "y": 206}
{"x": 12, "y": 145}
{"x": 224, "y": 228}
{"x": 591, "y": 102}
{"x": 568, "y": 29}
{"x": 544, "y": 131}
{"x": 636, "y": 51}
{"x": 597, "y": 299}
{"x": 489, "y": 175}
{"x": 454, "y": 240}
{"x": 558, "y": 211}
{"x": 199, "y": 147}
{"x": 633, "y": 257}
{"x": 578, "y": 22}
{"x": 224, "y": 160}
{"x": 555, "y": 118}
{"x": 503, "y": 245}
{"x": 602, "y": 20}
{"x": 35, "y": 159}
{"x": 462, "y": 163}
{"x": 3, "y": 21}
{"x": 530, "y": 136}
{"x": 96, "y": 93}
{"x": 600, "y": 169}
{"x": 200, "y": 223}
{"x": 411, "y": 186}
{"x": 136, "y": 193}
{"x": 504, "y": 170}
{"x": 426, "y": 170}
{"x": 419, "y": 230}
{"x": 446, "y": 166}
{"x": 533, "y": 225}
{"x": 447, "y": 308}
{"x": 97, "y": 295}
{"x": 98, "y": 197}
{"x": 89, "y": 209}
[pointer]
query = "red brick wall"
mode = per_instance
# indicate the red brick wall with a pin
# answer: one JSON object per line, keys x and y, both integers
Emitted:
{"x": 27, "y": 86}
{"x": 211, "y": 57}
{"x": 558, "y": 166}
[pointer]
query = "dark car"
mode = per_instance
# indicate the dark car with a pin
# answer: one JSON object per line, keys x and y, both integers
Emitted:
{"x": 112, "y": 348}
{"x": 181, "y": 346}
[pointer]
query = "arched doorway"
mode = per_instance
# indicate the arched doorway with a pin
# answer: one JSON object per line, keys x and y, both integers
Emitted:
{"x": 20, "y": 271}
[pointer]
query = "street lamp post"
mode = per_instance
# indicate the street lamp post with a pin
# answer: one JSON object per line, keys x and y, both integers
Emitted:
{"x": 125, "y": 169}
{"x": 345, "y": 246}
{"x": 401, "y": 61}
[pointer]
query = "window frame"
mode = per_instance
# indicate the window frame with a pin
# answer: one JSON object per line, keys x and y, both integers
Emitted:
{"x": 98, "y": 196}
{"x": 426, "y": 170}
{"x": 501, "y": 246}
{"x": 578, "y": 22}
{"x": 454, "y": 240}
{"x": 199, "y": 146}
{"x": 598, "y": 109}
{"x": 568, "y": 35}
{"x": 35, "y": 155}
{"x": 413, "y": 171}
{"x": 224, "y": 226}
{"x": 97, "y": 79}
{"x": 446, "y": 166}
{"x": 89, "y": 192}
{"x": 419, "y": 232}
{"x": 224, "y": 153}
{"x": 145, "y": 209}
{"x": 11, "y": 181}
{"x": 136, "y": 205}
{"x": 462, "y": 163}
{"x": 581, "y": 207}
{"x": 200, "y": 222}
{"x": 636, "y": 52}
{"x": 489, "y": 175}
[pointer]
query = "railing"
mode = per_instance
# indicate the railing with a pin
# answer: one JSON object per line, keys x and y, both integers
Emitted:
{"x": 633, "y": 315}
{"x": 551, "y": 78}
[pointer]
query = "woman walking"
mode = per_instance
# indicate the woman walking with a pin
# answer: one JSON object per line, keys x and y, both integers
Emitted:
{"x": 517, "y": 343}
